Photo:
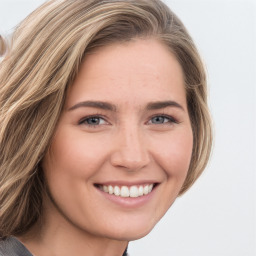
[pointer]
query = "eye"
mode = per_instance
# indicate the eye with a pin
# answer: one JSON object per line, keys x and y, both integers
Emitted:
{"x": 93, "y": 121}
{"x": 162, "y": 119}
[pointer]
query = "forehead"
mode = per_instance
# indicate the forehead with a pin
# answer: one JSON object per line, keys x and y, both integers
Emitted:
{"x": 140, "y": 70}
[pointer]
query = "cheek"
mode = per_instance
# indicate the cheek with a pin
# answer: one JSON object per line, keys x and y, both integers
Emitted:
{"x": 70, "y": 166}
{"x": 175, "y": 154}
{"x": 74, "y": 155}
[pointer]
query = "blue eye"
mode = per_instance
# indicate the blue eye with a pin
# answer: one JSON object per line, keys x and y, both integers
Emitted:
{"x": 92, "y": 121}
{"x": 162, "y": 120}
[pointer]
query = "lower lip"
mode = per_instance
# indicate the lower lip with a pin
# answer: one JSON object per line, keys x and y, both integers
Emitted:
{"x": 128, "y": 202}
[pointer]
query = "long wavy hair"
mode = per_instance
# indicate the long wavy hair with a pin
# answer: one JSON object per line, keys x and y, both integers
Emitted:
{"x": 42, "y": 61}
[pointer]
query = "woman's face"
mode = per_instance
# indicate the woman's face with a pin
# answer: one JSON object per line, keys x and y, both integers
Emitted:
{"x": 123, "y": 143}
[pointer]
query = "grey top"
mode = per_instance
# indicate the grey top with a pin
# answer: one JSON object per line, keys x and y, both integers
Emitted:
{"x": 13, "y": 247}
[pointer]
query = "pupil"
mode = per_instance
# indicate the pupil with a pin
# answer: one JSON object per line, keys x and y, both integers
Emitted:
{"x": 158, "y": 119}
{"x": 93, "y": 120}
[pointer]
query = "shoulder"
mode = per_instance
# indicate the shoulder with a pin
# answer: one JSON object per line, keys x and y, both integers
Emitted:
{"x": 13, "y": 247}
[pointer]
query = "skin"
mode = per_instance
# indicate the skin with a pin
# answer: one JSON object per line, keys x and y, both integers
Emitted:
{"x": 130, "y": 144}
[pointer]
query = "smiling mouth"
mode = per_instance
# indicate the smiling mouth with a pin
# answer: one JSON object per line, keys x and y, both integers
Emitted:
{"x": 127, "y": 191}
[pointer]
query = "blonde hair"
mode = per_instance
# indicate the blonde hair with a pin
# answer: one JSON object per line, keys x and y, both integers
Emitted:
{"x": 41, "y": 63}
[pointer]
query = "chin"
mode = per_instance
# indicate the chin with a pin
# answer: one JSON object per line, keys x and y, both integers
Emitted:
{"x": 129, "y": 231}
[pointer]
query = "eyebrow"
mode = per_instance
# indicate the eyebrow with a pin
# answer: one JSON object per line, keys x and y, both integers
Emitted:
{"x": 108, "y": 106}
{"x": 94, "y": 104}
{"x": 163, "y": 104}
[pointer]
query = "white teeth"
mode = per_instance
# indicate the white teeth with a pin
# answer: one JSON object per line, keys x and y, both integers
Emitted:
{"x": 146, "y": 190}
{"x": 110, "y": 190}
{"x": 117, "y": 191}
{"x": 134, "y": 191}
{"x": 125, "y": 191}
{"x": 141, "y": 190}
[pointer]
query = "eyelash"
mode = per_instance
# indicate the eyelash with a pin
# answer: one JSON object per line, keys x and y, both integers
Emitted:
{"x": 171, "y": 120}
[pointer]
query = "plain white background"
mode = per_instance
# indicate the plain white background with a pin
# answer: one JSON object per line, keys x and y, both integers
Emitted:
{"x": 217, "y": 217}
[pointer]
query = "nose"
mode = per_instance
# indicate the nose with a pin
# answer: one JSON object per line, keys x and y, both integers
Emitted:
{"x": 130, "y": 150}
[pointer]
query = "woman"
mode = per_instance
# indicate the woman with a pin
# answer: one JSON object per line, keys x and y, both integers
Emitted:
{"x": 104, "y": 122}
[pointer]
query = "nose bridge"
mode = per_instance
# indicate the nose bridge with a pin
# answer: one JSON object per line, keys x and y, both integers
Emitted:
{"x": 131, "y": 151}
